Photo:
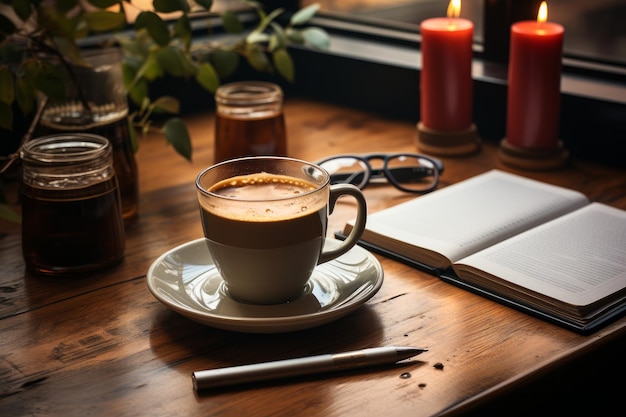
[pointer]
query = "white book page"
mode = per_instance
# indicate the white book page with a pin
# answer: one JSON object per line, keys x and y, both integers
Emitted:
{"x": 474, "y": 214}
{"x": 578, "y": 258}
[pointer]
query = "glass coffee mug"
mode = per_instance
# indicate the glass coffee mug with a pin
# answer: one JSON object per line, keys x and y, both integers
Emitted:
{"x": 71, "y": 207}
{"x": 265, "y": 222}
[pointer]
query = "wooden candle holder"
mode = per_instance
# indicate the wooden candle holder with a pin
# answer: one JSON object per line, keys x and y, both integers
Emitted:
{"x": 532, "y": 159}
{"x": 447, "y": 143}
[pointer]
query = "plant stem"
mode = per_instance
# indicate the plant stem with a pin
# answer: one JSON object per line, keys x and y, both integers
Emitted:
{"x": 29, "y": 133}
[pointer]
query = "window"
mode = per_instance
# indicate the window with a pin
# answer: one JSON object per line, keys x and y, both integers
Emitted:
{"x": 374, "y": 63}
{"x": 594, "y": 30}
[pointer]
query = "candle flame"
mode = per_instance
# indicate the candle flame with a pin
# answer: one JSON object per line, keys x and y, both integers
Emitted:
{"x": 454, "y": 8}
{"x": 542, "y": 15}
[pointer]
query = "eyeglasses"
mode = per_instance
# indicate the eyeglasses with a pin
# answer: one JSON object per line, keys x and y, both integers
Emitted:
{"x": 413, "y": 173}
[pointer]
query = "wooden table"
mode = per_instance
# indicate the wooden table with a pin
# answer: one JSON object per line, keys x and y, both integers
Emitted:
{"x": 103, "y": 345}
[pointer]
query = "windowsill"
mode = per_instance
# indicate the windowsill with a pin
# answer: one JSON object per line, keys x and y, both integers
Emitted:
{"x": 408, "y": 56}
{"x": 378, "y": 71}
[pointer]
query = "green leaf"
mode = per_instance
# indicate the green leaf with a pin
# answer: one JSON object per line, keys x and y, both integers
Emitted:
{"x": 47, "y": 79}
{"x": 129, "y": 71}
{"x": 155, "y": 26}
{"x": 265, "y": 21}
{"x": 304, "y": 15}
{"x": 174, "y": 62}
{"x": 151, "y": 70}
{"x": 145, "y": 105}
{"x": 278, "y": 40}
{"x": 136, "y": 47}
{"x": 137, "y": 74}
{"x": 257, "y": 59}
{"x": 81, "y": 29}
{"x": 176, "y": 133}
{"x": 207, "y": 77}
{"x": 103, "y": 4}
{"x": 6, "y": 116}
{"x": 31, "y": 68}
{"x": 139, "y": 60}
{"x": 138, "y": 92}
{"x": 166, "y": 104}
{"x": 182, "y": 28}
{"x": 256, "y": 37}
{"x": 284, "y": 64}
{"x": 7, "y": 85}
{"x": 51, "y": 86}
{"x": 105, "y": 21}
{"x": 316, "y": 37}
{"x": 7, "y": 213}
{"x": 295, "y": 36}
{"x": 206, "y": 4}
{"x": 225, "y": 62}
{"x": 231, "y": 22}
{"x": 70, "y": 50}
{"x": 25, "y": 94}
{"x": 169, "y": 6}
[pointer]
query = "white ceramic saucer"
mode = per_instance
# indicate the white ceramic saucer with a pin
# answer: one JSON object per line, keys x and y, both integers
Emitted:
{"x": 185, "y": 279}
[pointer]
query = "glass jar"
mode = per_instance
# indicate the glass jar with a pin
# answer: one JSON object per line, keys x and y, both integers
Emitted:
{"x": 71, "y": 207}
{"x": 96, "y": 102}
{"x": 249, "y": 120}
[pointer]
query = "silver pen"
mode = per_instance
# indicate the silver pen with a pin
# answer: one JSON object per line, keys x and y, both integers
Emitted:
{"x": 242, "y": 374}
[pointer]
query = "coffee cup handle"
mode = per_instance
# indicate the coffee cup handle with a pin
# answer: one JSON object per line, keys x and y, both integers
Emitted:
{"x": 336, "y": 191}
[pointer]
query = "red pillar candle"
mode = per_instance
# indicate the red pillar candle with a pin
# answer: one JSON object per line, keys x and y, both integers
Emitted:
{"x": 446, "y": 78}
{"x": 533, "y": 101}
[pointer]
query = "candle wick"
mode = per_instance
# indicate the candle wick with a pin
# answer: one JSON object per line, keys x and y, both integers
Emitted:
{"x": 541, "y": 30}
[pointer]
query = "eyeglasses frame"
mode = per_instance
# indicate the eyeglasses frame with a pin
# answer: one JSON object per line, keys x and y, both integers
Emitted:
{"x": 386, "y": 157}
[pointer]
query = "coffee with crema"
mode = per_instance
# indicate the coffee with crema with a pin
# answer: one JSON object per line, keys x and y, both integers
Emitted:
{"x": 265, "y": 221}
{"x": 277, "y": 222}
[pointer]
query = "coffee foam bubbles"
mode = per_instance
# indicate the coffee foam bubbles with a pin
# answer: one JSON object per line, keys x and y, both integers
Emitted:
{"x": 264, "y": 197}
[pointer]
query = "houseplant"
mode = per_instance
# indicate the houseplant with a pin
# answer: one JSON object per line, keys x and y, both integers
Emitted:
{"x": 34, "y": 31}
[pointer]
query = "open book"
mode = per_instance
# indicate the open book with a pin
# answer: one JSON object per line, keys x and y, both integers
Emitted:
{"x": 543, "y": 249}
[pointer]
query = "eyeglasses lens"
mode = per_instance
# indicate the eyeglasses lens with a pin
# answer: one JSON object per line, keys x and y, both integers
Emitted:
{"x": 412, "y": 173}
{"x": 346, "y": 170}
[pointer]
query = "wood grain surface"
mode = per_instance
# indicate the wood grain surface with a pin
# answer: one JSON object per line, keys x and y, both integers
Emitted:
{"x": 102, "y": 345}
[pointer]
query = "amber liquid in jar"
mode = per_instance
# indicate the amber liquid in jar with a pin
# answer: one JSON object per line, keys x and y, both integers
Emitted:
{"x": 237, "y": 137}
{"x": 249, "y": 121}
{"x": 118, "y": 133}
{"x": 71, "y": 207}
{"x": 72, "y": 231}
